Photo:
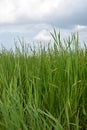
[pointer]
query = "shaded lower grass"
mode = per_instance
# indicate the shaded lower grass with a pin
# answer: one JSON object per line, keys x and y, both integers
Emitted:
{"x": 46, "y": 90}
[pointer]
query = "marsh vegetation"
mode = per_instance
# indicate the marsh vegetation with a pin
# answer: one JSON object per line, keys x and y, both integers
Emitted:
{"x": 46, "y": 90}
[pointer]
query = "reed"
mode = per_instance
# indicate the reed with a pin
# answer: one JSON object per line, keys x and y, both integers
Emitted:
{"x": 46, "y": 90}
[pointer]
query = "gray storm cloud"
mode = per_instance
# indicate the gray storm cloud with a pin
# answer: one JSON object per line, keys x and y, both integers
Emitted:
{"x": 64, "y": 15}
{"x": 76, "y": 17}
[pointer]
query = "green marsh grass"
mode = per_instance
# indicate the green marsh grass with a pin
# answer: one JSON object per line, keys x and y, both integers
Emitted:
{"x": 46, "y": 90}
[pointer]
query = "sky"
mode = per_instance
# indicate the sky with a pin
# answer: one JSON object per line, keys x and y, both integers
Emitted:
{"x": 33, "y": 20}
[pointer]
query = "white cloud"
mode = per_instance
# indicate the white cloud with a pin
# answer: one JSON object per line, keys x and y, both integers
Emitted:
{"x": 11, "y": 10}
{"x": 7, "y": 12}
{"x": 43, "y": 35}
{"x": 79, "y": 27}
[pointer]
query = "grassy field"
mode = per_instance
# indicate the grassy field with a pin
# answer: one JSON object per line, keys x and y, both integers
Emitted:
{"x": 46, "y": 90}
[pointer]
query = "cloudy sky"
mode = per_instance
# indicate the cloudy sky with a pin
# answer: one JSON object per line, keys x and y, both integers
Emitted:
{"x": 34, "y": 19}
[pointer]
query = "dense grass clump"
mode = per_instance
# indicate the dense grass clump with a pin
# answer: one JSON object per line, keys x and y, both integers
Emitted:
{"x": 44, "y": 89}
